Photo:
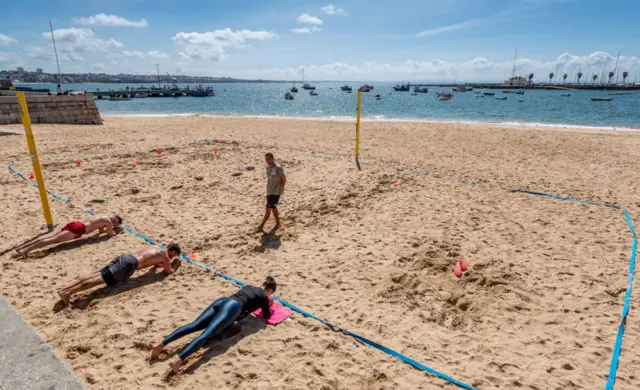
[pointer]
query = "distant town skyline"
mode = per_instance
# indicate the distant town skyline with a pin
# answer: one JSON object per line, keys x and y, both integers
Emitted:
{"x": 463, "y": 40}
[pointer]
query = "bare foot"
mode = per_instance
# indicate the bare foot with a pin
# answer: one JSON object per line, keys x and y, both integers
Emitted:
{"x": 273, "y": 231}
{"x": 64, "y": 297}
{"x": 260, "y": 229}
{"x": 175, "y": 365}
{"x": 155, "y": 352}
{"x": 23, "y": 253}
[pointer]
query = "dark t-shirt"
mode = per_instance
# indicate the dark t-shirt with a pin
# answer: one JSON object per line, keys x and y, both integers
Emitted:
{"x": 251, "y": 299}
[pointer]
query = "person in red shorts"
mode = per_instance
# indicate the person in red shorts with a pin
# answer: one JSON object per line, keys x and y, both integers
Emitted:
{"x": 74, "y": 230}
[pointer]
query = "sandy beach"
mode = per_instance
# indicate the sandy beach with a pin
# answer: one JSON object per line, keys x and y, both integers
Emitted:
{"x": 539, "y": 307}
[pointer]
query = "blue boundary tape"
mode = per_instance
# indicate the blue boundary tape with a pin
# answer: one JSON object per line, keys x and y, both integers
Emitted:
{"x": 283, "y": 302}
{"x": 625, "y": 310}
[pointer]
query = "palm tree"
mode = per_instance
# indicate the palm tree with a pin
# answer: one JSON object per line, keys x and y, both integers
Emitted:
{"x": 564, "y": 78}
{"x": 624, "y": 77}
{"x": 530, "y": 78}
{"x": 579, "y": 77}
{"x": 611, "y": 74}
{"x": 595, "y": 77}
{"x": 551, "y": 77}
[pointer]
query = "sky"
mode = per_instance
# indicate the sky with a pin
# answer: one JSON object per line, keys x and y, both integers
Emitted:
{"x": 368, "y": 40}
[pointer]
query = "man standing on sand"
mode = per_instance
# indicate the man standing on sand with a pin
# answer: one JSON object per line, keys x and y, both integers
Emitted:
{"x": 74, "y": 230}
{"x": 122, "y": 267}
{"x": 276, "y": 181}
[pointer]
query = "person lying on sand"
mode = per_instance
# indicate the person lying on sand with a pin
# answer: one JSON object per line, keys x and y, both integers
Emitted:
{"x": 219, "y": 316}
{"x": 120, "y": 269}
{"x": 74, "y": 230}
{"x": 276, "y": 181}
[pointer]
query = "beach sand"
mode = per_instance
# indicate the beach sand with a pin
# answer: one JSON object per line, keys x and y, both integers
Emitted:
{"x": 538, "y": 309}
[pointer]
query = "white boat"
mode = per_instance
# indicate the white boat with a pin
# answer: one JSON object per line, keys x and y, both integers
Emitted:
{"x": 459, "y": 89}
{"x": 444, "y": 96}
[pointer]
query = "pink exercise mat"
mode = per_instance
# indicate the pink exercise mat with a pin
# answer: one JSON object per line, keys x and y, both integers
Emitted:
{"x": 278, "y": 314}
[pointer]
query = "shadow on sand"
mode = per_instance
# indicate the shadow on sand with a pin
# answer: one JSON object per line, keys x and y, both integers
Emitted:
{"x": 268, "y": 242}
{"x": 150, "y": 277}
{"x": 220, "y": 344}
{"x": 66, "y": 246}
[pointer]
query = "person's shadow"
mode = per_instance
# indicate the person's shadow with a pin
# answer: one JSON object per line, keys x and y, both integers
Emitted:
{"x": 150, "y": 277}
{"x": 220, "y": 344}
{"x": 268, "y": 241}
{"x": 66, "y": 246}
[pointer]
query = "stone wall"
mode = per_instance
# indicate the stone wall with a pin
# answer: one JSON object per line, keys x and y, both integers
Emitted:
{"x": 64, "y": 109}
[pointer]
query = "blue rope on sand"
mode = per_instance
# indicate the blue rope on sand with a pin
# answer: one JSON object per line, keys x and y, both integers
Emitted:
{"x": 625, "y": 311}
{"x": 283, "y": 302}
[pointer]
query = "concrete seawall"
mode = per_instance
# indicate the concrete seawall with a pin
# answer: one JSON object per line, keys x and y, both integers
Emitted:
{"x": 64, "y": 109}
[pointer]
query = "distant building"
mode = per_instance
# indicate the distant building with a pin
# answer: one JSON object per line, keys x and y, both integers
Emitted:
{"x": 39, "y": 71}
{"x": 20, "y": 69}
{"x": 4, "y": 74}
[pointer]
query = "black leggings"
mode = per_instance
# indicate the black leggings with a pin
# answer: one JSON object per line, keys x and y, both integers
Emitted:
{"x": 219, "y": 316}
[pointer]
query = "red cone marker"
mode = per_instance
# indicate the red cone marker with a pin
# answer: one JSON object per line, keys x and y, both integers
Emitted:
{"x": 159, "y": 151}
{"x": 32, "y": 176}
{"x": 135, "y": 164}
{"x": 458, "y": 270}
{"x": 463, "y": 264}
{"x": 78, "y": 161}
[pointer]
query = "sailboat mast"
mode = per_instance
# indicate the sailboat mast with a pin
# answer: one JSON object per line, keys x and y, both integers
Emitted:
{"x": 56, "y": 51}
{"x": 513, "y": 72}
{"x": 615, "y": 69}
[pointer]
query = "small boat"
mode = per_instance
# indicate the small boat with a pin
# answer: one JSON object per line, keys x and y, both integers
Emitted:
{"x": 346, "y": 88}
{"x": 368, "y": 86}
{"x": 501, "y": 98}
{"x": 377, "y": 97}
{"x": 520, "y": 92}
{"x": 469, "y": 89}
{"x": 601, "y": 99}
{"x": 565, "y": 94}
{"x": 293, "y": 89}
{"x": 313, "y": 92}
{"x": 364, "y": 88}
{"x": 489, "y": 94}
{"x": 202, "y": 93}
{"x": 402, "y": 87}
{"x": 444, "y": 96}
{"x": 421, "y": 89}
{"x": 459, "y": 88}
{"x": 288, "y": 96}
{"x": 520, "y": 101}
{"x": 308, "y": 86}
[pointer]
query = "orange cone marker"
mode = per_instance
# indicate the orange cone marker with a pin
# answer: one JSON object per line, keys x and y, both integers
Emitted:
{"x": 463, "y": 264}
{"x": 458, "y": 270}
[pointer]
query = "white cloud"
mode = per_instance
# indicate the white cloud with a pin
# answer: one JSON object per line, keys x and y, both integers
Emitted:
{"x": 308, "y": 19}
{"x": 8, "y": 58}
{"x": 65, "y": 54}
{"x": 213, "y": 45}
{"x": 466, "y": 24}
{"x": 333, "y": 10}
{"x": 476, "y": 69}
{"x": 148, "y": 54}
{"x": 305, "y": 30}
{"x": 99, "y": 66}
{"x": 81, "y": 40}
{"x": 110, "y": 20}
{"x": 7, "y": 40}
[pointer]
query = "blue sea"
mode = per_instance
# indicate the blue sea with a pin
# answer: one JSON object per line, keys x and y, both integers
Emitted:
{"x": 539, "y": 107}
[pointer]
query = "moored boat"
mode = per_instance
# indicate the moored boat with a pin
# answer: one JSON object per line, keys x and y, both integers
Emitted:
{"x": 288, "y": 96}
{"x": 346, "y": 88}
{"x": 489, "y": 94}
{"x": 402, "y": 87}
{"x": 444, "y": 96}
{"x": 601, "y": 99}
{"x": 420, "y": 89}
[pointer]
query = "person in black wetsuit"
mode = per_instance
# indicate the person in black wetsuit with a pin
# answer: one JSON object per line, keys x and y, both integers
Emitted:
{"x": 219, "y": 316}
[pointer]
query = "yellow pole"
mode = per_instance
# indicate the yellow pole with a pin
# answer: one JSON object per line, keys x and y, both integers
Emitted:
{"x": 358, "y": 130}
{"x": 26, "y": 121}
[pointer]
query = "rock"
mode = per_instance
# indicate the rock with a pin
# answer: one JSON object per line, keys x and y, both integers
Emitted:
{"x": 237, "y": 174}
{"x": 199, "y": 178}
{"x": 250, "y": 168}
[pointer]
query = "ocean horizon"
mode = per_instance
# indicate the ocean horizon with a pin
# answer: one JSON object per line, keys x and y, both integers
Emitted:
{"x": 536, "y": 108}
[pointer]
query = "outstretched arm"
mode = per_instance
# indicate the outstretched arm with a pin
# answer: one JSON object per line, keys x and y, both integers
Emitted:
{"x": 169, "y": 266}
{"x": 109, "y": 227}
